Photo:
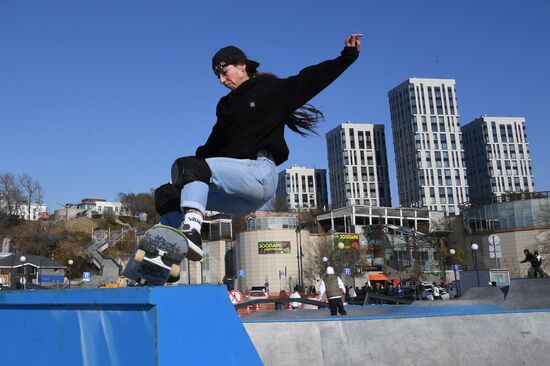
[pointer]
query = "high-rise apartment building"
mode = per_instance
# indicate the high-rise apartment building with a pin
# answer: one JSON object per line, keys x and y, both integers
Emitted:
{"x": 428, "y": 144}
{"x": 497, "y": 157}
{"x": 358, "y": 165}
{"x": 303, "y": 188}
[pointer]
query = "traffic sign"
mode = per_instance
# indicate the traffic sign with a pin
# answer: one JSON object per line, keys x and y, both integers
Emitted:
{"x": 235, "y": 296}
{"x": 495, "y": 250}
{"x": 347, "y": 271}
{"x": 86, "y": 276}
{"x": 456, "y": 267}
{"x": 494, "y": 239}
{"x": 241, "y": 273}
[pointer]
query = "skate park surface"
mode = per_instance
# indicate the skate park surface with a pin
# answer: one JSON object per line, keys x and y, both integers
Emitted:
{"x": 486, "y": 326}
{"x": 197, "y": 325}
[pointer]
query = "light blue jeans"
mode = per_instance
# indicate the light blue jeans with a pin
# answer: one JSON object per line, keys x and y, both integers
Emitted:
{"x": 236, "y": 186}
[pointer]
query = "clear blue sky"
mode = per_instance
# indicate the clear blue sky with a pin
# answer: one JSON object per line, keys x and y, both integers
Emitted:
{"x": 99, "y": 97}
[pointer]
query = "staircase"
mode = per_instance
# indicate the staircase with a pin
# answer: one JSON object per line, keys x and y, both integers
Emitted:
{"x": 109, "y": 267}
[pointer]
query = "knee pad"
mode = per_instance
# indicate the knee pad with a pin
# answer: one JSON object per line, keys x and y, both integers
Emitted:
{"x": 167, "y": 199}
{"x": 190, "y": 169}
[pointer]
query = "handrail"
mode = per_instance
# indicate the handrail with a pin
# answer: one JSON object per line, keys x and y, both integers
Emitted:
{"x": 393, "y": 299}
{"x": 280, "y": 301}
{"x": 304, "y": 300}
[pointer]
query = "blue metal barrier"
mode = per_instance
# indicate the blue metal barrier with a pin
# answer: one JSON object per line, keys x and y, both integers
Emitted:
{"x": 187, "y": 325}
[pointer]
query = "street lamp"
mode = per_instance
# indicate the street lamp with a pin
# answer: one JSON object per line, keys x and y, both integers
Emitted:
{"x": 22, "y": 259}
{"x": 341, "y": 247}
{"x": 452, "y": 252}
{"x": 475, "y": 247}
{"x": 70, "y": 272}
{"x": 299, "y": 255}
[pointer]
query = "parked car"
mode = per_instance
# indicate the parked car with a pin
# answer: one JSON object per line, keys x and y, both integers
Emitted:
{"x": 428, "y": 291}
{"x": 409, "y": 292}
{"x": 258, "y": 292}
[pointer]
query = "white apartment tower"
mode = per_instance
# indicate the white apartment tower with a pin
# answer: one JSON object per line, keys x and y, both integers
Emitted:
{"x": 497, "y": 157}
{"x": 303, "y": 188}
{"x": 427, "y": 142}
{"x": 358, "y": 165}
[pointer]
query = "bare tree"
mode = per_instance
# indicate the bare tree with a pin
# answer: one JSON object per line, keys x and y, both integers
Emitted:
{"x": 10, "y": 195}
{"x": 31, "y": 192}
{"x": 314, "y": 266}
{"x": 139, "y": 203}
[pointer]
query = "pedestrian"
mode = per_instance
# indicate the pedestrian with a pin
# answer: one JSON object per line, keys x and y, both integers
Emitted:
{"x": 419, "y": 291}
{"x": 295, "y": 295}
{"x": 352, "y": 295}
{"x": 529, "y": 257}
{"x": 334, "y": 288}
{"x": 538, "y": 269}
{"x": 235, "y": 171}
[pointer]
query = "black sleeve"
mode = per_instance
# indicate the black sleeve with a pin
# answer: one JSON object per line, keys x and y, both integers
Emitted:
{"x": 211, "y": 146}
{"x": 312, "y": 80}
{"x": 209, "y": 149}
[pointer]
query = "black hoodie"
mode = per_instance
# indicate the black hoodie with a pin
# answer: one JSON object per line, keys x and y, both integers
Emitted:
{"x": 252, "y": 117}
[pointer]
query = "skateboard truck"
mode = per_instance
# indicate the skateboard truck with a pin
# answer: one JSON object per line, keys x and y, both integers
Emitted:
{"x": 141, "y": 256}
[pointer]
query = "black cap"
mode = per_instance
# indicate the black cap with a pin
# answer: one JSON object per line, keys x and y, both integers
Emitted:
{"x": 232, "y": 55}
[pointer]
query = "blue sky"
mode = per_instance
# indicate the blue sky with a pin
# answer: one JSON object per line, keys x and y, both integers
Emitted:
{"x": 99, "y": 97}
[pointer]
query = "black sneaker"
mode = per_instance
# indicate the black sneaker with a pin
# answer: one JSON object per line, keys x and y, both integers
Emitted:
{"x": 194, "y": 241}
{"x": 173, "y": 279}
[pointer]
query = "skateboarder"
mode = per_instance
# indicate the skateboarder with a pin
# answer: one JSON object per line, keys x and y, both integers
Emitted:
{"x": 235, "y": 171}
{"x": 529, "y": 257}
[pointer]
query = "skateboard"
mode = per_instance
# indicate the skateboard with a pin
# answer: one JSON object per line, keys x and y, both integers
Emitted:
{"x": 158, "y": 256}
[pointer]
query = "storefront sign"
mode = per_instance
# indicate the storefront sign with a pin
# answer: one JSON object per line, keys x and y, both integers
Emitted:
{"x": 274, "y": 247}
{"x": 348, "y": 240}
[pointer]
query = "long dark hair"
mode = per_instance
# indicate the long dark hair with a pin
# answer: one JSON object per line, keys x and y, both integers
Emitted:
{"x": 304, "y": 120}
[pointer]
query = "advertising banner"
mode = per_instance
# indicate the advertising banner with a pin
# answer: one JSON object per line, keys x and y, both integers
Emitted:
{"x": 51, "y": 278}
{"x": 349, "y": 240}
{"x": 273, "y": 247}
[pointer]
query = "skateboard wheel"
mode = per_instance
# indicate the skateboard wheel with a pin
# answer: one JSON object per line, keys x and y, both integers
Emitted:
{"x": 140, "y": 254}
{"x": 175, "y": 271}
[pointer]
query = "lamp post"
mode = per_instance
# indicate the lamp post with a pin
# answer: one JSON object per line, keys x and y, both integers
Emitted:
{"x": 22, "y": 259}
{"x": 341, "y": 247}
{"x": 475, "y": 247}
{"x": 453, "y": 252}
{"x": 299, "y": 255}
{"x": 70, "y": 272}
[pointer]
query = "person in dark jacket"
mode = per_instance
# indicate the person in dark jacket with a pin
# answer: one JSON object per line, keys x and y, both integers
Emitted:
{"x": 530, "y": 257}
{"x": 235, "y": 171}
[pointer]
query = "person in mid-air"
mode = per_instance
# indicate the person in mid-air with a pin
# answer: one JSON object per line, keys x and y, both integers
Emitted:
{"x": 235, "y": 171}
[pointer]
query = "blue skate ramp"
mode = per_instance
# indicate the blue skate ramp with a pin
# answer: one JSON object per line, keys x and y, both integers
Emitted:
{"x": 187, "y": 325}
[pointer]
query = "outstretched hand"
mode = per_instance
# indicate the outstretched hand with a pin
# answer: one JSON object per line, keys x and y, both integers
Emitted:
{"x": 354, "y": 41}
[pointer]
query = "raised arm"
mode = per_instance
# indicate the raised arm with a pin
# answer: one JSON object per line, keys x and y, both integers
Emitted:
{"x": 309, "y": 82}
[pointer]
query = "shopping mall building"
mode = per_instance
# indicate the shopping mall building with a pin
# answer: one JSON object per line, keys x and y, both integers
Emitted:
{"x": 354, "y": 240}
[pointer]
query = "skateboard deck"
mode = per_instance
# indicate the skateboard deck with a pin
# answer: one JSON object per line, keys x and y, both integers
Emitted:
{"x": 157, "y": 256}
